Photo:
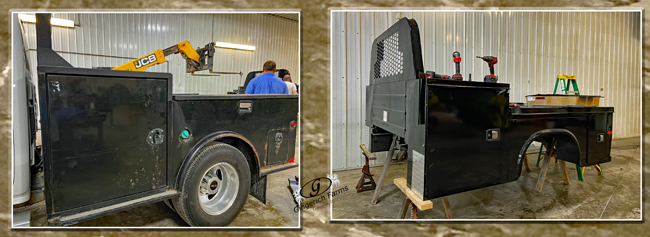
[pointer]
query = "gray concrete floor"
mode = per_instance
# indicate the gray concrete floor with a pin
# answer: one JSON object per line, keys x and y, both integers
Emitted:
{"x": 277, "y": 212}
{"x": 616, "y": 195}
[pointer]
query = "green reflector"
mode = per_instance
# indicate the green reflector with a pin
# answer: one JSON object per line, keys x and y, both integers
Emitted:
{"x": 185, "y": 134}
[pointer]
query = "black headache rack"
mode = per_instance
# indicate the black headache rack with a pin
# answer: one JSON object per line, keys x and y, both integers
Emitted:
{"x": 464, "y": 135}
{"x": 114, "y": 140}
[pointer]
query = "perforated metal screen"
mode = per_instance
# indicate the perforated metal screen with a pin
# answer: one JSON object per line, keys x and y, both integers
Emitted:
{"x": 390, "y": 61}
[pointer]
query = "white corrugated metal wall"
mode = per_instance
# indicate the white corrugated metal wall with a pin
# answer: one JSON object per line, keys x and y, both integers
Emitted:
{"x": 601, "y": 48}
{"x": 112, "y": 39}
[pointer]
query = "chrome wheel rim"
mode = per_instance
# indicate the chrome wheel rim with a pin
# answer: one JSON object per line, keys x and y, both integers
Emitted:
{"x": 218, "y": 188}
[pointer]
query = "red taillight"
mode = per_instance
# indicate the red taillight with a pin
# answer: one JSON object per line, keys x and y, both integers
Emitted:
{"x": 609, "y": 133}
{"x": 291, "y": 160}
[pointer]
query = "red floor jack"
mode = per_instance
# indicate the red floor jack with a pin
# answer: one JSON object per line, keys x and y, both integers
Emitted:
{"x": 364, "y": 185}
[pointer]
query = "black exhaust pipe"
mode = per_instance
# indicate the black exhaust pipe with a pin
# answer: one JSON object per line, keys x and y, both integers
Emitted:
{"x": 45, "y": 56}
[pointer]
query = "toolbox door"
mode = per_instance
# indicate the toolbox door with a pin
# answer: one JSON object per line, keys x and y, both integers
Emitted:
{"x": 599, "y": 139}
{"x": 466, "y": 137}
{"x": 277, "y": 146}
{"x": 106, "y": 139}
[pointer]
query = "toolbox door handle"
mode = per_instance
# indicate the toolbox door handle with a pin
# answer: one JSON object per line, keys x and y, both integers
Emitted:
{"x": 600, "y": 138}
{"x": 245, "y": 106}
{"x": 493, "y": 135}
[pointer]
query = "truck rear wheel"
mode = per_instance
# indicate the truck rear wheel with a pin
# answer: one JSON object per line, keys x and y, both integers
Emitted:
{"x": 215, "y": 187}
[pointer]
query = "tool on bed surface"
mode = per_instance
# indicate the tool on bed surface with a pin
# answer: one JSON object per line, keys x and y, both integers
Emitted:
{"x": 457, "y": 60}
{"x": 491, "y": 60}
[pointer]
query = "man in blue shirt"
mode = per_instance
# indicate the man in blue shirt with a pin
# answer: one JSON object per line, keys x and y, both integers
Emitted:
{"x": 267, "y": 83}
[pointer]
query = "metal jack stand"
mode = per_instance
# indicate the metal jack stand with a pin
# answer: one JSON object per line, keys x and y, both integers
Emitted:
{"x": 364, "y": 185}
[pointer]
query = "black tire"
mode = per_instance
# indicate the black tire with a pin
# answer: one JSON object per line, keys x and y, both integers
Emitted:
{"x": 188, "y": 206}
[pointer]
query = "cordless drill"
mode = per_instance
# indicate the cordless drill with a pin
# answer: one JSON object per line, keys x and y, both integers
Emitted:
{"x": 457, "y": 59}
{"x": 491, "y": 60}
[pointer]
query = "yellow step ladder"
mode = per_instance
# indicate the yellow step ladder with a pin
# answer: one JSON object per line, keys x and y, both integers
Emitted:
{"x": 567, "y": 80}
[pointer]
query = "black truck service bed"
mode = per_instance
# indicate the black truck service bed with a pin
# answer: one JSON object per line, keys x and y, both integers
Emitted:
{"x": 465, "y": 135}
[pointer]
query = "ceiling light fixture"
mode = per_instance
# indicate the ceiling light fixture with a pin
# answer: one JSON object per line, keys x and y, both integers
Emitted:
{"x": 53, "y": 21}
{"x": 234, "y": 46}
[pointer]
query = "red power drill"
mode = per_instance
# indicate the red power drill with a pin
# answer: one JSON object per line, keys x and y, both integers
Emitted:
{"x": 457, "y": 59}
{"x": 491, "y": 60}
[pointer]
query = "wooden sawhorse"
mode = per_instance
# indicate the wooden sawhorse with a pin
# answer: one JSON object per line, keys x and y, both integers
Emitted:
{"x": 579, "y": 170}
{"x": 550, "y": 152}
{"x": 384, "y": 171}
{"x": 414, "y": 202}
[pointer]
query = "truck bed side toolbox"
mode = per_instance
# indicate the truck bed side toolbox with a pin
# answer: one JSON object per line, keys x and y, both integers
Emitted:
{"x": 103, "y": 136}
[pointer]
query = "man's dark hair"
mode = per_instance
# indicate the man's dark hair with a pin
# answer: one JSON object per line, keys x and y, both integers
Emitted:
{"x": 287, "y": 78}
{"x": 269, "y": 66}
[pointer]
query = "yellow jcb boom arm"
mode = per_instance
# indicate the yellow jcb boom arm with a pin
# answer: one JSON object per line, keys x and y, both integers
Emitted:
{"x": 158, "y": 57}
{"x": 196, "y": 60}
